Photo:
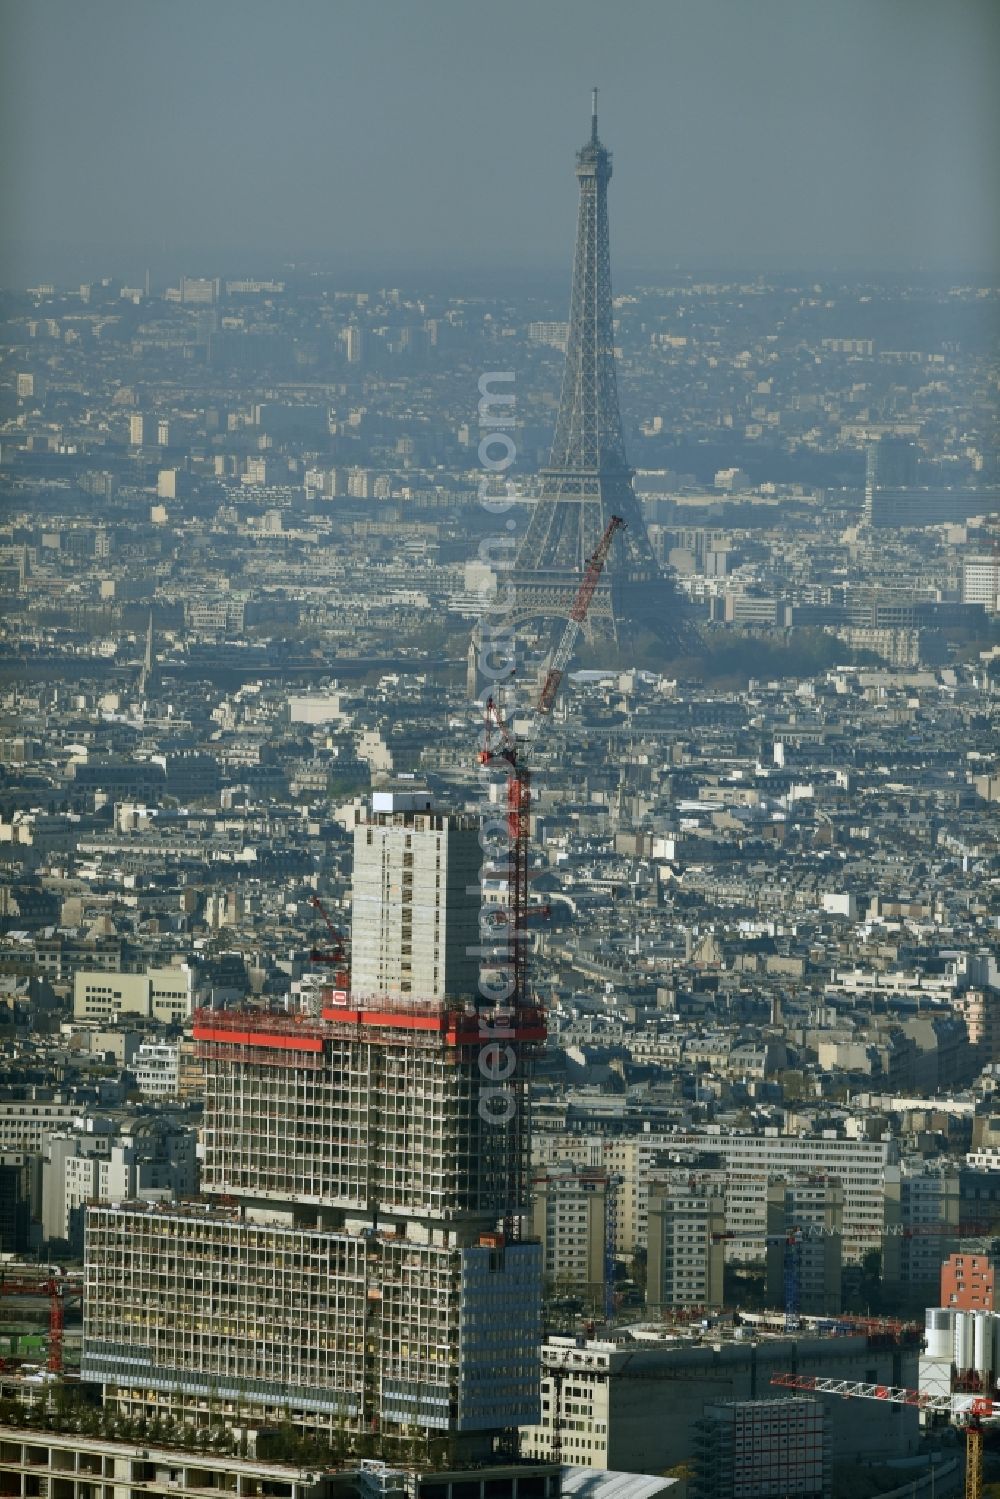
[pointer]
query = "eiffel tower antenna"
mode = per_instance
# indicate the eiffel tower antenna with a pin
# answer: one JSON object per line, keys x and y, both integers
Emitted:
{"x": 587, "y": 479}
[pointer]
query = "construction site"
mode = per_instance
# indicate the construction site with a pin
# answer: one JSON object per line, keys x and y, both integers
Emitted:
{"x": 323, "y": 1112}
{"x": 34, "y": 1300}
{"x": 348, "y": 1269}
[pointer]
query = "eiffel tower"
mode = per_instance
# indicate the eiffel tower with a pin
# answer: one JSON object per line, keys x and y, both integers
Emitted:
{"x": 587, "y": 478}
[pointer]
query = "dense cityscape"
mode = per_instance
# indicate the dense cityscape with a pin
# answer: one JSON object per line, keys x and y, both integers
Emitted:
{"x": 499, "y": 883}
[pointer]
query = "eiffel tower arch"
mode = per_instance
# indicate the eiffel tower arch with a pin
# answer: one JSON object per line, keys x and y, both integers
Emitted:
{"x": 587, "y": 478}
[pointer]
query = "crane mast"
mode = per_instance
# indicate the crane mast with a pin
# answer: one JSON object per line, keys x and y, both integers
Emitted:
{"x": 336, "y": 953}
{"x": 501, "y": 744}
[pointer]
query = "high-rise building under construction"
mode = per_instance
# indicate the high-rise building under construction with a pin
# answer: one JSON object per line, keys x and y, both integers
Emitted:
{"x": 347, "y": 1268}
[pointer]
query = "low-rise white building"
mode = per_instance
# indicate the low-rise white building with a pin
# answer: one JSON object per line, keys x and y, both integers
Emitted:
{"x": 157, "y": 1068}
{"x": 152, "y": 1161}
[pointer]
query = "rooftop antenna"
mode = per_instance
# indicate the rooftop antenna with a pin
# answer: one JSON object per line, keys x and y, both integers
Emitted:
{"x": 593, "y": 117}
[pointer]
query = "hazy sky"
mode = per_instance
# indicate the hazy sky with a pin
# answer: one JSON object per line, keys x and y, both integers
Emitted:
{"x": 799, "y": 133}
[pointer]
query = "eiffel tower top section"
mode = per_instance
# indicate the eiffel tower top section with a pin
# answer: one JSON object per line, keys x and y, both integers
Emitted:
{"x": 588, "y": 436}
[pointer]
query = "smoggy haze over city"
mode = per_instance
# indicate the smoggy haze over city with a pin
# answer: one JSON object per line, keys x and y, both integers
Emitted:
{"x": 850, "y": 135}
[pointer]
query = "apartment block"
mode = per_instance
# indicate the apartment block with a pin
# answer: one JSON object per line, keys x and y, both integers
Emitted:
{"x": 685, "y": 1260}
{"x": 805, "y": 1218}
{"x": 759, "y": 1448}
{"x": 923, "y": 1213}
{"x": 416, "y": 900}
{"x": 603, "y": 1403}
{"x": 571, "y": 1219}
{"x": 157, "y": 1068}
{"x": 25, "y": 1123}
{"x": 152, "y": 1164}
{"x": 198, "y": 1310}
{"x": 981, "y": 582}
{"x": 164, "y": 994}
{"x": 18, "y": 1178}
{"x": 909, "y": 507}
{"x": 866, "y": 1168}
{"x": 323, "y": 1114}
{"x": 968, "y": 1282}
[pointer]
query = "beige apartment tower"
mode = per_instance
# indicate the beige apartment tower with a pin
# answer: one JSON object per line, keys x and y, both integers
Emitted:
{"x": 805, "y": 1236}
{"x": 686, "y": 1244}
{"x": 415, "y": 921}
{"x": 570, "y": 1218}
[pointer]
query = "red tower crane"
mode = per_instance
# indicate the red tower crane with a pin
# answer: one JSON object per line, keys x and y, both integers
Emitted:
{"x": 335, "y": 955}
{"x": 502, "y": 744}
{"x": 577, "y": 615}
{"x": 56, "y": 1291}
{"x": 57, "y": 1322}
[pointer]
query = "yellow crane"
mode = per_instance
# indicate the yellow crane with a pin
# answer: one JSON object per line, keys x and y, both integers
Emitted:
{"x": 968, "y": 1411}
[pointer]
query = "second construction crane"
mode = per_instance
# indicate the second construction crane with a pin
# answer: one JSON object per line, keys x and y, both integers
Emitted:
{"x": 56, "y": 1290}
{"x": 968, "y": 1410}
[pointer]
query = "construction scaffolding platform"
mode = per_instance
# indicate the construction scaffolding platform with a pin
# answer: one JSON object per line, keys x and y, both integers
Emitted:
{"x": 432, "y": 1021}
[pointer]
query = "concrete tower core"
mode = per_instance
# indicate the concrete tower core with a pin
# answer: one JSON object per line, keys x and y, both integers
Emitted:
{"x": 415, "y": 916}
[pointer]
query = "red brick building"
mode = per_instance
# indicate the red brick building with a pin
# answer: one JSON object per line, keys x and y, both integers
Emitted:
{"x": 967, "y": 1282}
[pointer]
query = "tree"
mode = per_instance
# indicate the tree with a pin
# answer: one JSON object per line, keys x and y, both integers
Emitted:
{"x": 870, "y": 1288}
{"x": 638, "y": 1268}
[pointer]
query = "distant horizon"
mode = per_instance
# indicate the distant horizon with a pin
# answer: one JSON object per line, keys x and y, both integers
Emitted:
{"x": 67, "y": 267}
